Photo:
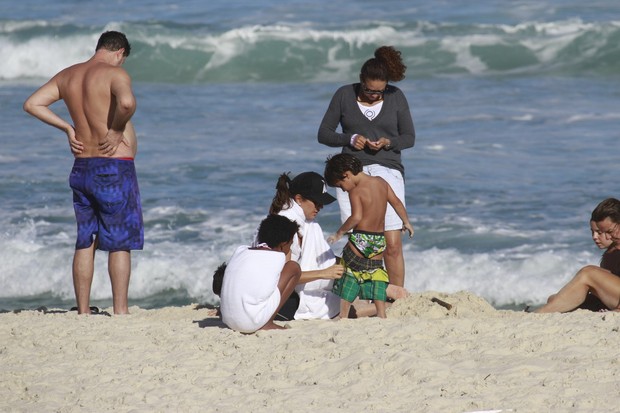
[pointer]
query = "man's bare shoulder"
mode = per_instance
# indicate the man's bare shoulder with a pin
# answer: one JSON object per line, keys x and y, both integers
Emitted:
{"x": 91, "y": 66}
{"x": 70, "y": 70}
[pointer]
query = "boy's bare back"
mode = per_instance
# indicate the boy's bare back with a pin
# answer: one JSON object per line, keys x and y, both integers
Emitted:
{"x": 369, "y": 199}
{"x": 368, "y": 195}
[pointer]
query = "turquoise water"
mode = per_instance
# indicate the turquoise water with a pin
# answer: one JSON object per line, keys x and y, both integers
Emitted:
{"x": 516, "y": 114}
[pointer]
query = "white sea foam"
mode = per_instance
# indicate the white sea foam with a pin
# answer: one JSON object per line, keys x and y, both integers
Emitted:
{"x": 503, "y": 279}
{"x": 42, "y": 56}
{"x": 430, "y": 47}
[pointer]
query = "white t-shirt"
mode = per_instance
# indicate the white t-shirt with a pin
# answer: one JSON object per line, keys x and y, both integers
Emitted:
{"x": 250, "y": 294}
{"x": 371, "y": 112}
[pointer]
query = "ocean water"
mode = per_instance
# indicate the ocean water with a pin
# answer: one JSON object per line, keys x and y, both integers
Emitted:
{"x": 516, "y": 108}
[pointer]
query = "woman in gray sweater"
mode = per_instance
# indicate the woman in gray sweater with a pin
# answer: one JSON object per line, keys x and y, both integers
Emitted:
{"x": 376, "y": 126}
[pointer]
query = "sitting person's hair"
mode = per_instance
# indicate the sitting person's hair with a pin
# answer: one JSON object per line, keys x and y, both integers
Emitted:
{"x": 336, "y": 166}
{"x": 283, "y": 196}
{"x": 276, "y": 229}
{"x": 218, "y": 278}
{"x": 609, "y": 208}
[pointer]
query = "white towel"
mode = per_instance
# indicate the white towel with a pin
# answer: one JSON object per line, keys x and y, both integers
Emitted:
{"x": 316, "y": 298}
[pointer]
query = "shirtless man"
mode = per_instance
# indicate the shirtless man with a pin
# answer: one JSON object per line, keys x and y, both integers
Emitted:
{"x": 106, "y": 198}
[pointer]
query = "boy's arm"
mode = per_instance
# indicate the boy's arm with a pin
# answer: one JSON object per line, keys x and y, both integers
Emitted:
{"x": 400, "y": 210}
{"x": 352, "y": 221}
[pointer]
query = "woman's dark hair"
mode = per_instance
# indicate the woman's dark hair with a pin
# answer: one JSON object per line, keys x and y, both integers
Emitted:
{"x": 609, "y": 208}
{"x": 114, "y": 41}
{"x": 283, "y": 195}
{"x": 387, "y": 65}
{"x": 276, "y": 229}
{"x": 336, "y": 166}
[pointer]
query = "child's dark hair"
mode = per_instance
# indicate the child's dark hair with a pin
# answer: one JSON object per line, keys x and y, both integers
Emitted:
{"x": 218, "y": 278}
{"x": 337, "y": 165}
{"x": 283, "y": 196}
{"x": 387, "y": 65}
{"x": 276, "y": 229}
{"x": 609, "y": 208}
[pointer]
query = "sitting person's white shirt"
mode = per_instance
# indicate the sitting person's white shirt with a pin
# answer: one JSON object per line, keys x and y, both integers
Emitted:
{"x": 250, "y": 294}
{"x": 316, "y": 300}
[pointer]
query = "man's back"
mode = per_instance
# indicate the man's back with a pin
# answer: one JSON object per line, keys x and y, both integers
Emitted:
{"x": 87, "y": 89}
{"x": 100, "y": 101}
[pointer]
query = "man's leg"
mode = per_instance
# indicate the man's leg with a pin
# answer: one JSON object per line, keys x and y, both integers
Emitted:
{"x": 83, "y": 269}
{"x": 119, "y": 268}
{"x": 393, "y": 258}
{"x": 289, "y": 277}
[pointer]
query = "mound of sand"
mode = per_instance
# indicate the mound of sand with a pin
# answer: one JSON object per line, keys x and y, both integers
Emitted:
{"x": 440, "y": 305}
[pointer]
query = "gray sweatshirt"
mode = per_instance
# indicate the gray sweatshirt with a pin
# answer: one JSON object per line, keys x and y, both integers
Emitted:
{"x": 393, "y": 122}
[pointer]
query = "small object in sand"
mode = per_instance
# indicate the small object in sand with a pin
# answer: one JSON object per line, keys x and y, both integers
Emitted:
{"x": 442, "y": 303}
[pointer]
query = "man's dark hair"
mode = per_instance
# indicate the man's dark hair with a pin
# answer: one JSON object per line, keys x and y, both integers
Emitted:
{"x": 609, "y": 208}
{"x": 114, "y": 41}
{"x": 276, "y": 229}
{"x": 336, "y": 166}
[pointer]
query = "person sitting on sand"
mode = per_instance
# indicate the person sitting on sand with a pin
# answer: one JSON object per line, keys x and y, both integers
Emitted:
{"x": 369, "y": 196}
{"x": 599, "y": 281}
{"x": 300, "y": 200}
{"x": 258, "y": 280}
{"x": 610, "y": 260}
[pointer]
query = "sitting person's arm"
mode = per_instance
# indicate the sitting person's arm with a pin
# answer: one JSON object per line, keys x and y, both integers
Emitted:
{"x": 330, "y": 273}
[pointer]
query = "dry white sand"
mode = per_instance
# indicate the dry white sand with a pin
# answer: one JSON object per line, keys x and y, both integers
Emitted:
{"x": 423, "y": 358}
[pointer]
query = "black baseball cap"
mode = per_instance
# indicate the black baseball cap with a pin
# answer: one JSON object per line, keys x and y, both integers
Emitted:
{"x": 311, "y": 186}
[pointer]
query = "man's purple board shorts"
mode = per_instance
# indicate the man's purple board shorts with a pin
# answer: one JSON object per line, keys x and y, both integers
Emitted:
{"x": 106, "y": 200}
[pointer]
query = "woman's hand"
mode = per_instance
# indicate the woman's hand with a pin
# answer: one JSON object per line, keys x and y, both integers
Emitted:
{"x": 382, "y": 143}
{"x": 334, "y": 272}
{"x": 359, "y": 142}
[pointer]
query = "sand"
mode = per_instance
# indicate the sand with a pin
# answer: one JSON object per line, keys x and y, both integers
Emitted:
{"x": 423, "y": 358}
